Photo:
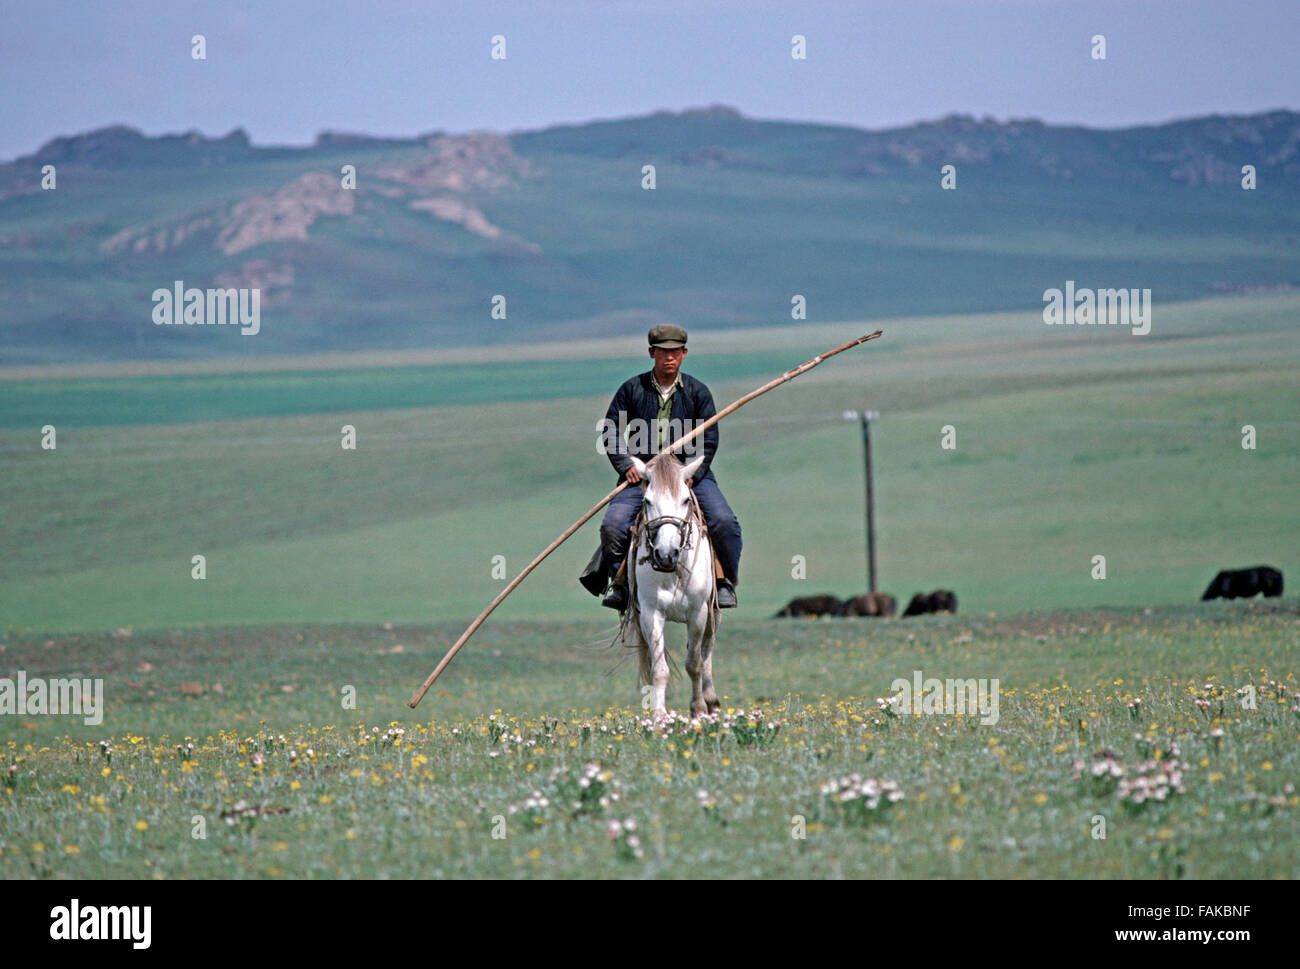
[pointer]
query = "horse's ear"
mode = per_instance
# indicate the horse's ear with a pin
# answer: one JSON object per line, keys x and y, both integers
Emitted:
{"x": 689, "y": 471}
{"x": 640, "y": 466}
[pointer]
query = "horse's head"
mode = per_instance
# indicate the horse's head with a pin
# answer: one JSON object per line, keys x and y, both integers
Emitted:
{"x": 667, "y": 507}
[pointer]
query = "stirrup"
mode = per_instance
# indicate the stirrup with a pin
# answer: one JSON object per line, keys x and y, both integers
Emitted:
{"x": 726, "y": 595}
{"x": 617, "y": 598}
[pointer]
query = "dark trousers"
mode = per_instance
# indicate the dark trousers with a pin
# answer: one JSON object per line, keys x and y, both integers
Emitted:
{"x": 724, "y": 529}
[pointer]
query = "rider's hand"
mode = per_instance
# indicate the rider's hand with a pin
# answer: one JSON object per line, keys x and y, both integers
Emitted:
{"x": 633, "y": 475}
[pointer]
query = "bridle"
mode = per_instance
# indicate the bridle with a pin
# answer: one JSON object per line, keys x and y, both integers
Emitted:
{"x": 686, "y": 527}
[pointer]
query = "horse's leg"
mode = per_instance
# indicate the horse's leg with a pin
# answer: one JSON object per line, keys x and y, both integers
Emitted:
{"x": 708, "y": 634}
{"x": 710, "y": 695}
{"x": 706, "y": 659}
{"x": 652, "y": 625}
{"x": 696, "y": 633}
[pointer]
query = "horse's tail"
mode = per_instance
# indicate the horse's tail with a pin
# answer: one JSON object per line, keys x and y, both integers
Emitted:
{"x": 631, "y": 637}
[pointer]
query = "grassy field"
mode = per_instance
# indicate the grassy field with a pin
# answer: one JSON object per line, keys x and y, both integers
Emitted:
{"x": 1068, "y": 445}
{"x": 330, "y": 569}
{"x": 455, "y": 788}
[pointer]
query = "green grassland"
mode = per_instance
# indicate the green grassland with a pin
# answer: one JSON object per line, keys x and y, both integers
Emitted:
{"x": 340, "y": 792}
{"x": 1069, "y": 444}
{"x": 329, "y": 569}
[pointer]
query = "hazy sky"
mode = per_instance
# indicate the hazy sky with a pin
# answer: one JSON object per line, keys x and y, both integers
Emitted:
{"x": 287, "y": 70}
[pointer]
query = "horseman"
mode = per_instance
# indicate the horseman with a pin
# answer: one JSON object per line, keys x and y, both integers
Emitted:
{"x": 653, "y": 410}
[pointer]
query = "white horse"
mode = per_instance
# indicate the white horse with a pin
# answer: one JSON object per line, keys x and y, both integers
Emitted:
{"x": 671, "y": 563}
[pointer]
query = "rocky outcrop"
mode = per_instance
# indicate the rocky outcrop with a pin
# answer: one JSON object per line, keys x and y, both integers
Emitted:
{"x": 451, "y": 209}
{"x": 284, "y": 215}
{"x": 459, "y": 163}
{"x": 277, "y": 216}
{"x": 452, "y": 165}
{"x": 157, "y": 238}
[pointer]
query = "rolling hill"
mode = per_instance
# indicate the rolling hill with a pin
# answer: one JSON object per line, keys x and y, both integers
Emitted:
{"x": 745, "y": 214}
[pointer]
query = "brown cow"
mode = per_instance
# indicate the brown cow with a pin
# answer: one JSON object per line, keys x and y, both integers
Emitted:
{"x": 870, "y": 604}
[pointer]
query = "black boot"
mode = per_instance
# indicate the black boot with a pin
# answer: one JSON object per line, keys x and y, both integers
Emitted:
{"x": 617, "y": 598}
{"x": 726, "y": 594}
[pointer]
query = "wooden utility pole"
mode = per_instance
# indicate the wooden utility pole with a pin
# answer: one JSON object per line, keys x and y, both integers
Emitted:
{"x": 867, "y": 417}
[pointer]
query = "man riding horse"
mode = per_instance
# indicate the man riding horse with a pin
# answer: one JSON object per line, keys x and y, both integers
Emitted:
{"x": 658, "y": 407}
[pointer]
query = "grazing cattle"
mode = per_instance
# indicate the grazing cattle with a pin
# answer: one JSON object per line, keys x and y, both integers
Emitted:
{"x": 919, "y": 605}
{"x": 940, "y": 600}
{"x": 870, "y": 604}
{"x": 1244, "y": 583}
{"x": 943, "y": 600}
{"x": 825, "y": 605}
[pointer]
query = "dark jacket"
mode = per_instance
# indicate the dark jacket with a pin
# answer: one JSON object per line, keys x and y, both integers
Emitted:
{"x": 638, "y": 400}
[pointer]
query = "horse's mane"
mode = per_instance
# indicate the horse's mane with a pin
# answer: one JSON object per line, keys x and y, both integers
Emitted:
{"x": 666, "y": 473}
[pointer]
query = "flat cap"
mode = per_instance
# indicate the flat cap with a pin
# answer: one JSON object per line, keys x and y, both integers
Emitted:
{"x": 668, "y": 336}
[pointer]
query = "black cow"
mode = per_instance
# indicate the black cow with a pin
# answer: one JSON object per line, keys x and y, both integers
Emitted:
{"x": 943, "y": 600}
{"x": 1244, "y": 583}
{"x": 940, "y": 600}
{"x": 824, "y": 605}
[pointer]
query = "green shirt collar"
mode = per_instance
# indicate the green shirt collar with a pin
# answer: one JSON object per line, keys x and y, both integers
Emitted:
{"x": 675, "y": 386}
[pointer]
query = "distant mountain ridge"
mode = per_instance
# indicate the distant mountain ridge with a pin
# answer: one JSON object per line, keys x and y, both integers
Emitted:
{"x": 1206, "y": 150}
{"x": 745, "y": 214}
{"x": 1202, "y": 150}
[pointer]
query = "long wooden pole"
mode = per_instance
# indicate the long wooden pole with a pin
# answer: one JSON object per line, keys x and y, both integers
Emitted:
{"x": 700, "y": 429}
